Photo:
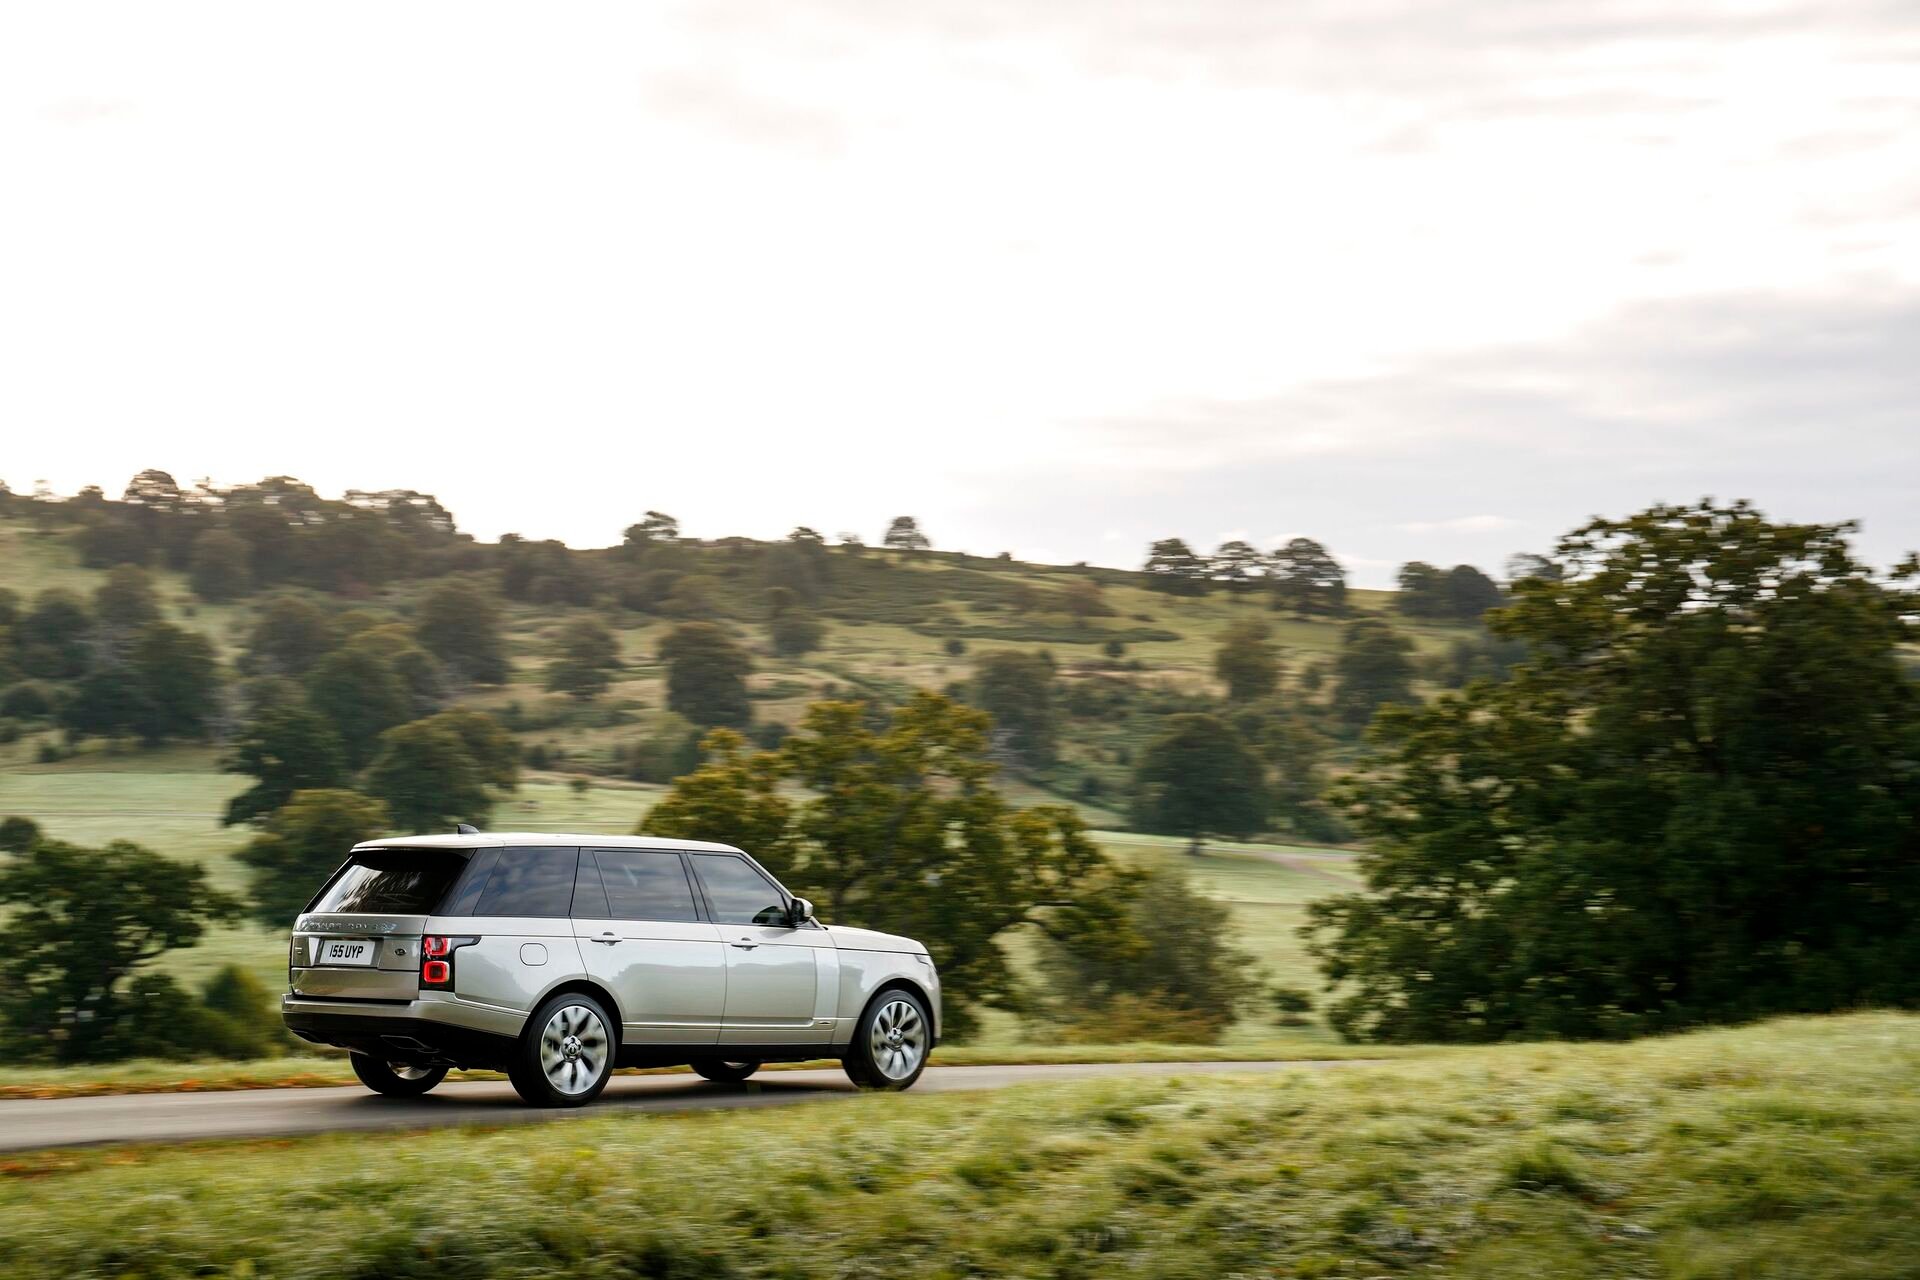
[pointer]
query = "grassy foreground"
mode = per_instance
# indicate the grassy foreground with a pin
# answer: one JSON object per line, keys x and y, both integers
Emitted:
{"x": 1791, "y": 1149}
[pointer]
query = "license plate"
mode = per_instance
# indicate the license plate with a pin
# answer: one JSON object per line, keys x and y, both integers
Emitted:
{"x": 343, "y": 951}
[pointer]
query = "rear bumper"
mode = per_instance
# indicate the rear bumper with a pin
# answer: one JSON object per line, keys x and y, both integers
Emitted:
{"x": 426, "y": 1030}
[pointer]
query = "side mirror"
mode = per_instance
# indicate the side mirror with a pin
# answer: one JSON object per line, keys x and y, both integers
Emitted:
{"x": 800, "y": 913}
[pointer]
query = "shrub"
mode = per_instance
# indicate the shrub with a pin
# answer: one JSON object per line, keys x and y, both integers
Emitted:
{"x": 28, "y": 700}
{"x": 1127, "y": 1018}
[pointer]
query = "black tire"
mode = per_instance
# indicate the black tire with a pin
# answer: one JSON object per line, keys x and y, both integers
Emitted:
{"x": 871, "y": 1065}
{"x": 387, "y": 1078}
{"x": 594, "y": 1050}
{"x": 724, "y": 1072}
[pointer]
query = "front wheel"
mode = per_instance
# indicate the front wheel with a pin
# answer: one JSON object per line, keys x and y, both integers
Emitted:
{"x": 396, "y": 1079}
{"x": 890, "y": 1044}
{"x": 565, "y": 1056}
{"x": 725, "y": 1072}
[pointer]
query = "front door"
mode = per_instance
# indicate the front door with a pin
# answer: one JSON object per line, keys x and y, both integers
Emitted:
{"x": 775, "y": 987}
{"x": 641, "y": 935}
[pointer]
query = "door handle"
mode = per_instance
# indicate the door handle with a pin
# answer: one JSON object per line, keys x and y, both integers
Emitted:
{"x": 745, "y": 944}
{"x": 609, "y": 937}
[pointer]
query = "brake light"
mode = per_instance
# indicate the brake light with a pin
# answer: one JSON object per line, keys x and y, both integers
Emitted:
{"x": 436, "y": 959}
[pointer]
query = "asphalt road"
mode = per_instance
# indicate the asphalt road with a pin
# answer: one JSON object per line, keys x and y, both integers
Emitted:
{"x": 261, "y": 1113}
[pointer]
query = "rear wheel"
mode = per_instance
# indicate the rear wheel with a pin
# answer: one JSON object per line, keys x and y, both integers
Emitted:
{"x": 396, "y": 1079}
{"x": 565, "y": 1055}
{"x": 725, "y": 1072}
{"x": 890, "y": 1044}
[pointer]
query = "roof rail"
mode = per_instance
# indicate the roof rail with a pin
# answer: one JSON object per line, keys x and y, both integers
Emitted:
{"x": 465, "y": 829}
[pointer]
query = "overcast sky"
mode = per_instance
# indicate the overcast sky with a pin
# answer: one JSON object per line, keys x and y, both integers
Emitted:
{"x": 1431, "y": 280}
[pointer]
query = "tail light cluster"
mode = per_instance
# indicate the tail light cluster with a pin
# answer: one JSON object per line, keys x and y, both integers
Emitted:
{"x": 436, "y": 960}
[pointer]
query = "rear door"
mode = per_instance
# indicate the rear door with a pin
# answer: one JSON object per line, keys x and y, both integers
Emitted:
{"x": 781, "y": 981}
{"x": 520, "y": 916}
{"x": 360, "y": 937}
{"x": 641, "y": 936}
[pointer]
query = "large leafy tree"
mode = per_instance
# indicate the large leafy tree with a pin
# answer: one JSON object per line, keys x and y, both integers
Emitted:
{"x": 1698, "y": 798}
{"x": 1375, "y": 668}
{"x": 707, "y": 675}
{"x": 901, "y": 830}
{"x": 1307, "y": 579}
{"x": 1016, "y": 689}
{"x": 584, "y": 660}
{"x": 1247, "y": 662}
{"x": 436, "y": 772}
{"x": 905, "y": 535}
{"x": 300, "y": 846}
{"x": 287, "y": 748}
{"x": 1173, "y": 567}
{"x": 362, "y": 696}
{"x": 82, "y": 923}
{"x": 459, "y": 624}
{"x": 1199, "y": 779}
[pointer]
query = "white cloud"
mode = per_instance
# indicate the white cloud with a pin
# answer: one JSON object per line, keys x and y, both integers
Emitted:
{"x": 1458, "y": 524}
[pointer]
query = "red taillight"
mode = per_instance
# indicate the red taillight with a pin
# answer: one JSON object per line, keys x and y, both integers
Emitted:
{"x": 436, "y": 959}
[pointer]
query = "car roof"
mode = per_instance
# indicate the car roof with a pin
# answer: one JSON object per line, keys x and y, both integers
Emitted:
{"x": 492, "y": 839}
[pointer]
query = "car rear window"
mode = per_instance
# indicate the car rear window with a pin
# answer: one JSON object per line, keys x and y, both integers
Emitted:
{"x": 398, "y": 881}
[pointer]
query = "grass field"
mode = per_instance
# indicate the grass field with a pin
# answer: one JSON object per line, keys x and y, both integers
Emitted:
{"x": 1789, "y": 1150}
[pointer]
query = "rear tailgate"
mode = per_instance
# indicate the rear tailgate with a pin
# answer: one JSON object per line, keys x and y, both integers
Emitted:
{"x": 360, "y": 938}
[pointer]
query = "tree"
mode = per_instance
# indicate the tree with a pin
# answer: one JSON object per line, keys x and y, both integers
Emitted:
{"x": 427, "y": 778}
{"x": 1199, "y": 779}
{"x": 1698, "y": 800}
{"x": 85, "y": 921}
{"x": 1174, "y": 569}
{"x": 1238, "y": 564}
{"x": 291, "y": 635}
{"x": 220, "y": 567}
{"x": 495, "y": 752}
{"x": 1246, "y": 662}
{"x": 707, "y": 675}
{"x": 1016, "y": 689}
{"x": 1150, "y": 940}
{"x": 902, "y": 830}
{"x": 123, "y": 604}
{"x": 1423, "y": 590}
{"x": 300, "y": 846}
{"x": 585, "y": 659}
{"x": 1082, "y": 598}
{"x": 18, "y": 834}
{"x": 286, "y": 749}
{"x": 904, "y": 535}
{"x": 459, "y": 624}
{"x": 1470, "y": 593}
{"x": 110, "y": 700}
{"x": 1307, "y": 579}
{"x": 178, "y": 680}
{"x": 657, "y": 529}
{"x": 361, "y": 696}
{"x": 795, "y": 631}
{"x": 1528, "y": 564}
{"x": 1373, "y": 670}
{"x": 50, "y": 639}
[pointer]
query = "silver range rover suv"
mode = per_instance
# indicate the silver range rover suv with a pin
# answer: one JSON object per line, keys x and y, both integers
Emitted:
{"x": 556, "y": 958}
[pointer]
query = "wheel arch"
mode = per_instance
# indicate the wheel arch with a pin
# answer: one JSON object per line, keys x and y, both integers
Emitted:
{"x": 899, "y": 983}
{"x": 585, "y": 987}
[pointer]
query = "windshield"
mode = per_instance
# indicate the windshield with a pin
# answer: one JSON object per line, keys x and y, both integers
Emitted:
{"x": 402, "y": 881}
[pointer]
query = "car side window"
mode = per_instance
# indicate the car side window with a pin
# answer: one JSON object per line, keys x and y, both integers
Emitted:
{"x": 645, "y": 884}
{"x": 737, "y": 893}
{"x": 530, "y": 881}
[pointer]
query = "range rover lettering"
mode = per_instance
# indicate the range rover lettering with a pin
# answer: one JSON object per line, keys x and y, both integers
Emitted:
{"x": 556, "y": 958}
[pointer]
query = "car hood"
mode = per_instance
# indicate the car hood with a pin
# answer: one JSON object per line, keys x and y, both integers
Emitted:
{"x": 872, "y": 940}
